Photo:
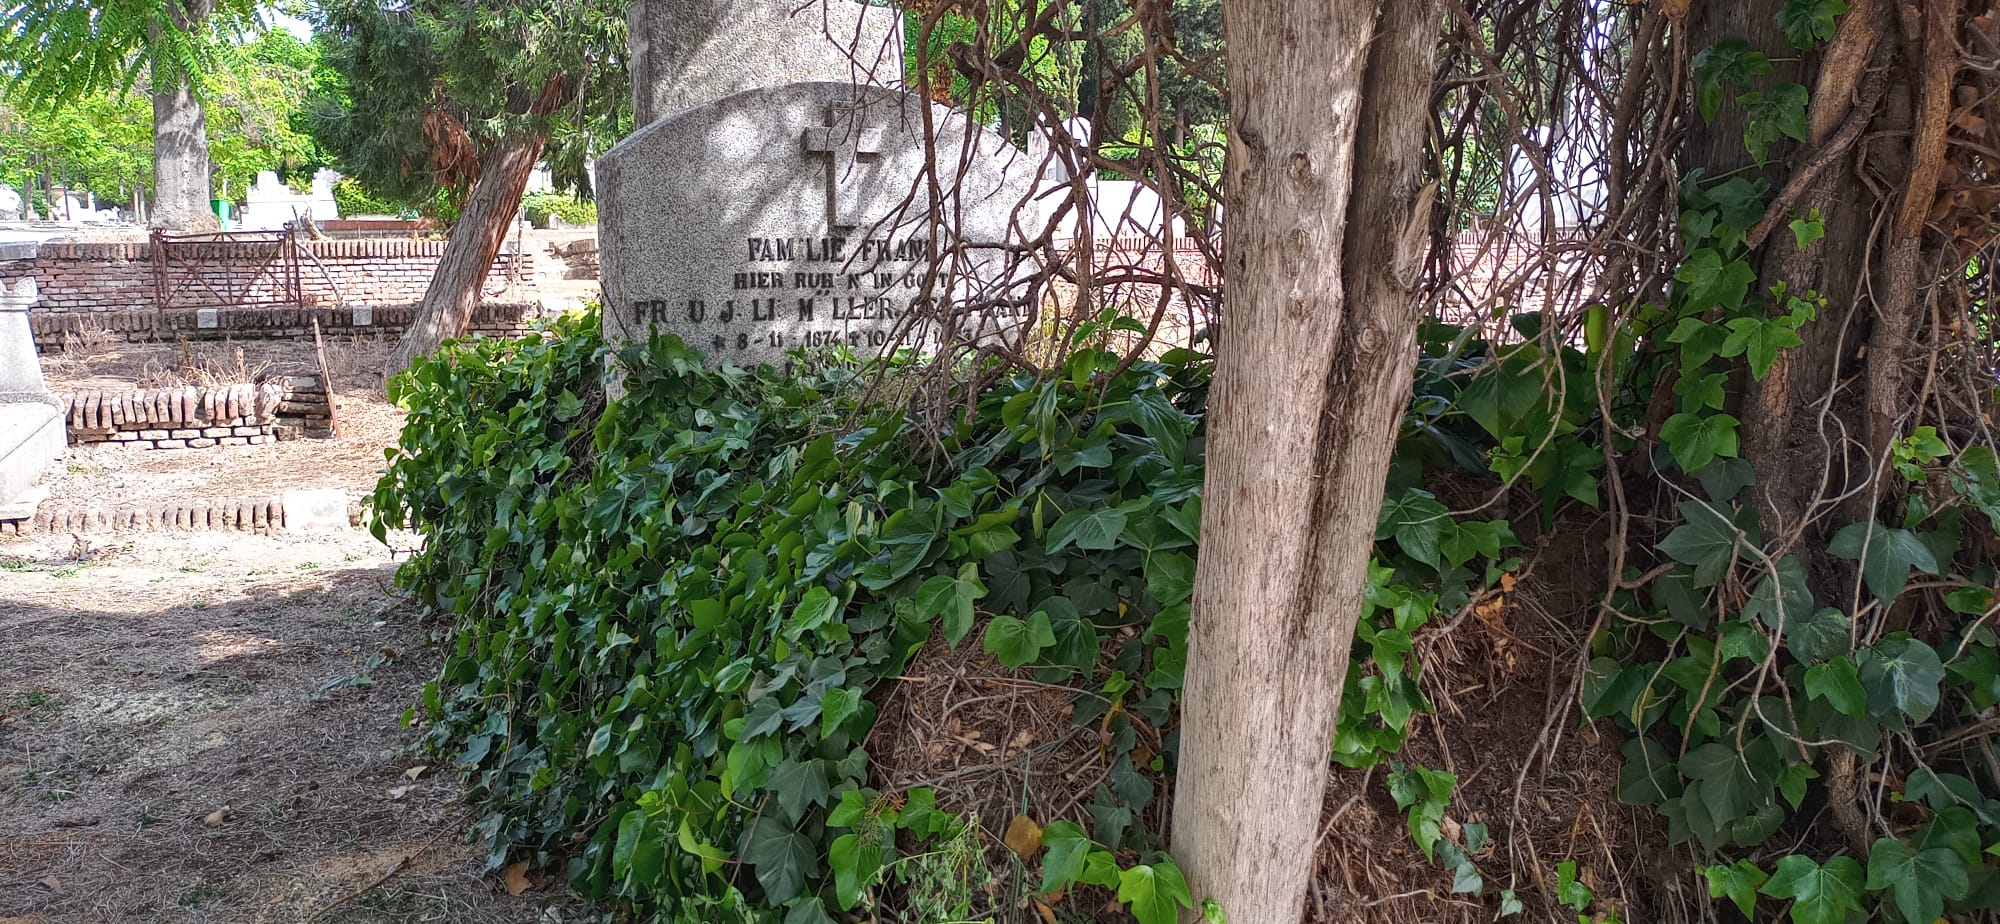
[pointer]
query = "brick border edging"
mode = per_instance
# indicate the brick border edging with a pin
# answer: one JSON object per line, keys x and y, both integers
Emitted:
{"x": 262, "y": 516}
{"x": 281, "y": 407}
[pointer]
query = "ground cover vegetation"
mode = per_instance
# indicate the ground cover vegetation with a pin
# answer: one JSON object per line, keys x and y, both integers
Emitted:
{"x": 695, "y": 597}
{"x": 679, "y": 617}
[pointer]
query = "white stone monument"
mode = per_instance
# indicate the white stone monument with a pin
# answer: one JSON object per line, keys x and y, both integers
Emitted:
{"x": 270, "y": 204}
{"x": 32, "y": 432}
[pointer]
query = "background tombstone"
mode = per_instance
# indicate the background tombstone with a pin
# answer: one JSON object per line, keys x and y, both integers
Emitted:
{"x": 793, "y": 216}
{"x": 685, "y": 53}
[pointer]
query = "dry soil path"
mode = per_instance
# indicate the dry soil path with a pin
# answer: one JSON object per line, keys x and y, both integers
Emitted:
{"x": 206, "y": 728}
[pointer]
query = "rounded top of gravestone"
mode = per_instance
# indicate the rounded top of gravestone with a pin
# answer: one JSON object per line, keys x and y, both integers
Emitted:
{"x": 685, "y": 53}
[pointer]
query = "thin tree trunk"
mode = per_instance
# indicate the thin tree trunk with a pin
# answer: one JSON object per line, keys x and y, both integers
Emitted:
{"x": 471, "y": 248}
{"x": 1322, "y": 241}
{"x": 180, "y": 139}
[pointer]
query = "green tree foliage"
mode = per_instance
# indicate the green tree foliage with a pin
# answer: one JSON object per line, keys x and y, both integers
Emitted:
{"x": 103, "y": 141}
{"x": 59, "y": 52}
{"x": 415, "y": 92}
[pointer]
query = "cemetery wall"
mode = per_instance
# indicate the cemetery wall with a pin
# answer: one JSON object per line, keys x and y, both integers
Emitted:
{"x": 199, "y": 417}
{"x": 57, "y": 331}
{"x": 106, "y": 277}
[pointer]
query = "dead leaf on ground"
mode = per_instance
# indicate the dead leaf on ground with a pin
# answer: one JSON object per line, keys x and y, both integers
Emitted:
{"x": 415, "y": 772}
{"x": 400, "y": 791}
{"x": 218, "y": 818}
{"x": 54, "y": 884}
{"x": 1024, "y": 837}
{"x": 516, "y": 880}
{"x": 1048, "y": 914}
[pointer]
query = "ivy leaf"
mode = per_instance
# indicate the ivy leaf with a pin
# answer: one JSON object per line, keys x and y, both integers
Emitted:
{"x": 1648, "y": 776}
{"x": 1728, "y": 786}
{"x": 763, "y": 718}
{"x": 1699, "y": 390}
{"x": 1707, "y": 541}
{"x": 1782, "y": 111}
{"x": 1738, "y": 883}
{"x": 1067, "y": 846}
{"x": 631, "y": 830}
{"x": 852, "y": 808}
{"x": 1464, "y": 541}
{"x": 1158, "y": 417}
{"x": 1819, "y": 894}
{"x": 1838, "y": 683}
{"x": 855, "y": 862}
{"x": 1902, "y": 674}
{"x": 1792, "y": 783}
{"x": 1954, "y": 829}
{"x": 1730, "y": 62}
{"x": 1781, "y": 600}
{"x": 951, "y": 597}
{"x": 781, "y": 855}
{"x": 1510, "y": 903}
{"x": 1759, "y": 340}
{"x": 1821, "y": 635}
{"x": 816, "y": 607}
{"x": 1709, "y": 280}
{"x": 1015, "y": 642}
{"x": 1807, "y": 21}
{"x": 1090, "y": 530}
{"x": 808, "y": 911}
{"x": 1569, "y": 889}
{"x": 1805, "y": 231}
{"x": 1417, "y": 522}
{"x": 1922, "y": 879}
{"x": 1697, "y": 440}
{"x": 1886, "y": 556}
{"x": 799, "y": 783}
{"x": 1699, "y": 341}
{"x": 1156, "y": 893}
{"x": 835, "y": 707}
{"x": 1094, "y": 452}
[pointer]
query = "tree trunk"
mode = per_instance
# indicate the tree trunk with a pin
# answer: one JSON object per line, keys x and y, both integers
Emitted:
{"x": 180, "y": 138}
{"x": 471, "y": 248}
{"x": 1322, "y": 242}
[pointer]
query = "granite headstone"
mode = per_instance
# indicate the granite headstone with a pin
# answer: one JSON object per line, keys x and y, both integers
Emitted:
{"x": 685, "y": 53}
{"x": 798, "y": 217}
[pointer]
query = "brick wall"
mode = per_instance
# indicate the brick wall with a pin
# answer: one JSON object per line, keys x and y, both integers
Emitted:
{"x": 56, "y": 331}
{"x": 98, "y": 277}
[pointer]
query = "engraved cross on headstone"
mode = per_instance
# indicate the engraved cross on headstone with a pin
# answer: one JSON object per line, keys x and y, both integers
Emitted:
{"x": 847, "y": 145}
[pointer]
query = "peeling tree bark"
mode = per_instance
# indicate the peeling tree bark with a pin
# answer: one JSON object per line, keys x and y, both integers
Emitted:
{"x": 1928, "y": 27}
{"x": 1322, "y": 241}
{"x": 469, "y": 251}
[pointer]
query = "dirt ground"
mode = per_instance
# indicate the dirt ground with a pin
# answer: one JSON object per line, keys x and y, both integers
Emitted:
{"x": 207, "y": 728}
{"x": 352, "y": 460}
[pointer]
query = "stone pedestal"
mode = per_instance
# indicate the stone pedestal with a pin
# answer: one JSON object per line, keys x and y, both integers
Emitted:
{"x": 32, "y": 432}
{"x": 685, "y": 53}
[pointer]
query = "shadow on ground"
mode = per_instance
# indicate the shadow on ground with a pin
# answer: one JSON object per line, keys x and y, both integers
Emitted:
{"x": 211, "y": 729}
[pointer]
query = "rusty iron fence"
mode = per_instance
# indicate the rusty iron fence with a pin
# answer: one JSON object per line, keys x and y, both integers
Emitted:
{"x": 228, "y": 269}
